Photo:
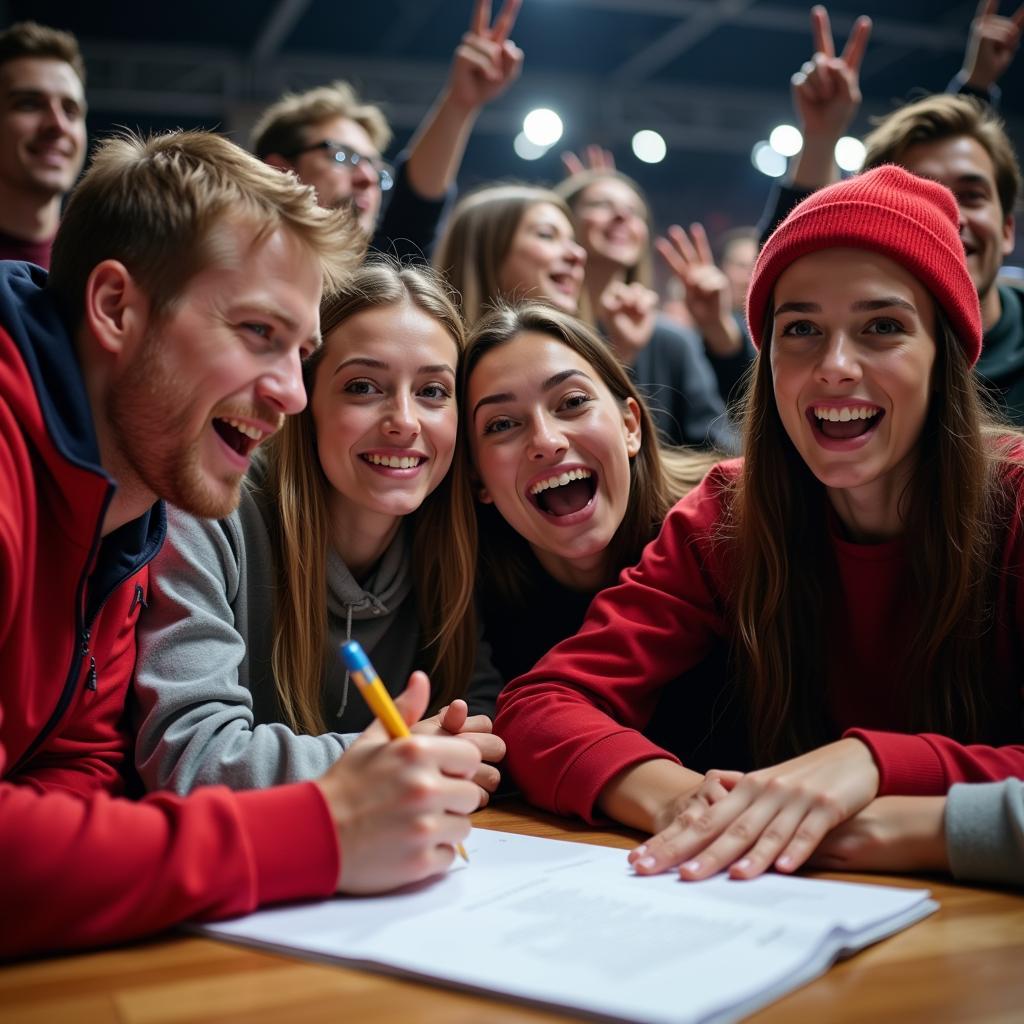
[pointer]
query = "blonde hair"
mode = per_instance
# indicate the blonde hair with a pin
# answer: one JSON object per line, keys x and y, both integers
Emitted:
{"x": 158, "y": 205}
{"x": 571, "y": 190}
{"x": 30, "y": 39}
{"x": 281, "y": 128}
{"x": 478, "y": 237}
{"x": 659, "y": 476}
{"x": 444, "y": 535}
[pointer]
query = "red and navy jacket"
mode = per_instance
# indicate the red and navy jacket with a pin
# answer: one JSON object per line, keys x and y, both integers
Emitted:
{"x": 81, "y": 864}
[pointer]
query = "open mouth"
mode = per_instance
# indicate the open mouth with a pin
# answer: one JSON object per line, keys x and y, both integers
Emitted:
{"x": 843, "y": 424}
{"x": 393, "y": 461}
{"x": 562, "y": 494}
{"x": 564, "y": 282}
{"x": 240, "y": 437}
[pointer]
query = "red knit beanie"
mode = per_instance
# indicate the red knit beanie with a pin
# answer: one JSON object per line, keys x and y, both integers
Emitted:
{"x": 911, "y": 220}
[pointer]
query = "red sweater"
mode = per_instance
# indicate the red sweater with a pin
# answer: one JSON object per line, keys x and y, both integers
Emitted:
{"x": 82, "y": 865}
{"x": 572, "y": 723}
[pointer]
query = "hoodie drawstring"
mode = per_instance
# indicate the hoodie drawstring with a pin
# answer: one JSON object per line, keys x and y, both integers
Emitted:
{"x": 344, "y": 685}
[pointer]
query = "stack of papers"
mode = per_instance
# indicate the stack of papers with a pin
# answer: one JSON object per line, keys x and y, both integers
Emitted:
{"x": 570, "y": 925}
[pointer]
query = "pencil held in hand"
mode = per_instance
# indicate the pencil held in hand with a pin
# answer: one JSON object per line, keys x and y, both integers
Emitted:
{"x": 378, "y": 699}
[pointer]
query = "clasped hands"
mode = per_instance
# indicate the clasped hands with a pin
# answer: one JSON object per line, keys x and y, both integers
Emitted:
{"x": 776, "y": 817}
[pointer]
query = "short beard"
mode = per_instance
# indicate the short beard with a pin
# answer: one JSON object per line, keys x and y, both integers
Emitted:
{"x": 149, "y": 427}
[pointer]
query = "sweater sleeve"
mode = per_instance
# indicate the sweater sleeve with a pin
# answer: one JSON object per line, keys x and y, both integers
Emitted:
{"x": 928, "y": 764}
{"x": 985, "y": 832}
{"x": 194, "y": 715}
{"x": 88, "y": 870}
{"x": 573, "y": 722}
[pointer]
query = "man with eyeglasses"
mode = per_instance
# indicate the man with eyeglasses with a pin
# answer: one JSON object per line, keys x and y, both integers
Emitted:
{"x": 333, "y": 141}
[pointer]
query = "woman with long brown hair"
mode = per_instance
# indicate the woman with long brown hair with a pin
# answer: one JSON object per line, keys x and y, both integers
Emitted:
{"x": 862, "y": 567}
{"x": 570, "y": 476}
{"x": 356, "y": 526}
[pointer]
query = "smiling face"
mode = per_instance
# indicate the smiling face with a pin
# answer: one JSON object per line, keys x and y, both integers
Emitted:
{"x": 551, "y": 447}
{"x": 385, "y": 414}
{"x": 340, "y": 184}
{"x": 544, "y": 261}
{"x": 218, "y": 372}
{"x": 852, "y": 353}
{"x": 612, "y": 222}
{"x": 963, "y": 165}
{"x": 42, "y": 125}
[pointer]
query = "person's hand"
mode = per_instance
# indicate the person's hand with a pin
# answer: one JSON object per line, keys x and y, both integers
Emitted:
{"x": 893, "y": 833}
{"x": 708, "y": 296}
{"x": 826, "y": 89}
{"x": 992, "y": 44}
{"x": 627, "y": 312}
{"x": 772, "y": 817}
{"x": 595, "y": 158}
{"x": 400, "y": 806}
{"x": 455, "y": 720}
{"x": 486, "y": 61}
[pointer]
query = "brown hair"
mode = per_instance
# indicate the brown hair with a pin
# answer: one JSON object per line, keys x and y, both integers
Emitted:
{"x": 941, "y": 117}
{"x": 952, "y": 509}
{"x": 444, "y": 536}
{"x": 571, "y": 190}
{"x": 281, "y": 128}
{"x": 30, "y": 39}
{"x": 659, "y": 476}
{"x": 478, "y": 238}
{"x": 156, "y": 205}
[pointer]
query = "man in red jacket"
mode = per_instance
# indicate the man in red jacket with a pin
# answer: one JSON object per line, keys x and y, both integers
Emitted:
{"x": 163, "y": 348}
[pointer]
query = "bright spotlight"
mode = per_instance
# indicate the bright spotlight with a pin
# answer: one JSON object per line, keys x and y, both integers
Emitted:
{"x": 767, "y": 160}
{"x": 542, "y": 127}
{"x": 850, "y": 153}
{"x": 649, "y": 146}
{"x": 526, "y": 150}
{"x": 786, "y": 140}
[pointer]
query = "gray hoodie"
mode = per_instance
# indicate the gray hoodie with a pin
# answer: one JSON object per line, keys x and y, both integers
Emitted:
{"x": 205, "y": 703}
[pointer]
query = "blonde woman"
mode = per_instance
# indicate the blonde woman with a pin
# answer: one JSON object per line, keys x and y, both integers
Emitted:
{"x": 352, "y": 528}
{"x": 519, "y": 242}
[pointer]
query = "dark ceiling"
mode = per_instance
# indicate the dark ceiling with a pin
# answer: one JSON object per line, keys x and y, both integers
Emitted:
{"x": 712, "y": 77}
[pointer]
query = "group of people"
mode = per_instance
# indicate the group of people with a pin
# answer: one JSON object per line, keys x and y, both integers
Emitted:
{"x": 230, "y": 441}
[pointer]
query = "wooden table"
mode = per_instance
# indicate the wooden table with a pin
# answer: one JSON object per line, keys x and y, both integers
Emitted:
{"x": 964, "y": 963}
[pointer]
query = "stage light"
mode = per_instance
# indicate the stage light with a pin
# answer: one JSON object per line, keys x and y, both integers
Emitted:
{"x": 767, "y": 160}
{"x": 542, "y": 127}
{"x": 527, "y": 150}
{"x": 786, "y": 140}
{"x": 850, "y": 153}
{"x": 649, "y": 146}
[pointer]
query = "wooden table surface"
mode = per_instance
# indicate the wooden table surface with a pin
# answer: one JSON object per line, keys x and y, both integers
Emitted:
{"x": 964, "y": 963}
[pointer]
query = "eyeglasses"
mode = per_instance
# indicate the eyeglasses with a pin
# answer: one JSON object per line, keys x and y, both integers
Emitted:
{"x": 352, "y": 158}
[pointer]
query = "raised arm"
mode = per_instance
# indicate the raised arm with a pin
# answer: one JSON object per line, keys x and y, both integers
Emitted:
{"x": 486, "y": 63}
{"x": 991, "y": 47}
{"x": 826, "y": 98}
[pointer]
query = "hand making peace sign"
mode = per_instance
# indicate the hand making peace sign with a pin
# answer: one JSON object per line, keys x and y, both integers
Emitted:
{"x": 826, "y": 89}
{"x": 486, "y": 61}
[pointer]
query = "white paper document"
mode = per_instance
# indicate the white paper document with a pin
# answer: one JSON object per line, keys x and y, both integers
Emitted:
{"x": 570, "y": 925}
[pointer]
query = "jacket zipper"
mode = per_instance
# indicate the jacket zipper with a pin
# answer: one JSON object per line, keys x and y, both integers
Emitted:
{"x": 83, "y": 631}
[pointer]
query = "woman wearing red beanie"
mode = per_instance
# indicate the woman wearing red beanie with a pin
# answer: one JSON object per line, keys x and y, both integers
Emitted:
{"x": 860, "y": 572}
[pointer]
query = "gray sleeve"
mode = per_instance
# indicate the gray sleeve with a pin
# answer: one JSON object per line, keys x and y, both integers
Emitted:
{"x": 194, "y": 714}
{"x": 985, "y": 831}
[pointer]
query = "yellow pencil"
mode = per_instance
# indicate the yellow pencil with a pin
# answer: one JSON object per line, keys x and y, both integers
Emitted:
{"x": 378, "y": 699}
